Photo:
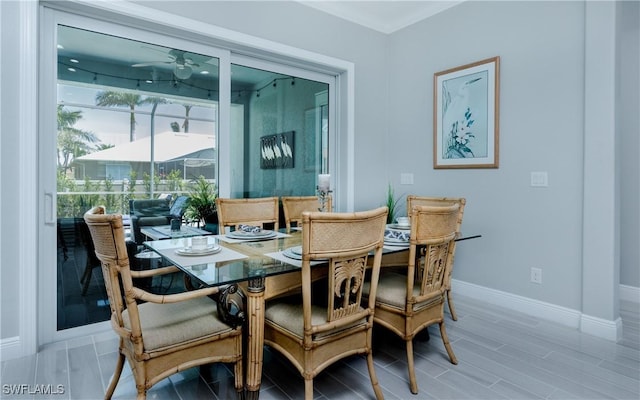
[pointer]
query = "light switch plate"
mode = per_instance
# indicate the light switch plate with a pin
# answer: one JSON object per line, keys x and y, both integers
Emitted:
{"x": 539, "y": 179}
{"x": 406, "y": 178}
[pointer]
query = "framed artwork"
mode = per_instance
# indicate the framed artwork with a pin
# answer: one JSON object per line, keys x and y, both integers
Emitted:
{"x": 276, "y": 151}
{"x": 466, "y": 115}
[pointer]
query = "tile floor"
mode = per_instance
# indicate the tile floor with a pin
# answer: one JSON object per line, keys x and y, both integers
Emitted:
{"x": 502, "y": 355}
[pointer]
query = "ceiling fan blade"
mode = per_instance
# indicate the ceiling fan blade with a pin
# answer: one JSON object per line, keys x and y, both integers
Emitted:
{"x": 148, "y": 64}
{"x": 163, "y": 52}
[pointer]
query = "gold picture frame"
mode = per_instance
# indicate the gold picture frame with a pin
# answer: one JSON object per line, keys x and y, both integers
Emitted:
{"x": 466, "y": 114}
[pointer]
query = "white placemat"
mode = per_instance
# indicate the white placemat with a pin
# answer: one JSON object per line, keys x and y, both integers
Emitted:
{"x": 298, "y": 263}
{"x": 227, "y": 239}
{"x": 185, "y": 261}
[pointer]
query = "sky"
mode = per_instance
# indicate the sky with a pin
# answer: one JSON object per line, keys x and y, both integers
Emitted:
{"x": 112, "y": 126}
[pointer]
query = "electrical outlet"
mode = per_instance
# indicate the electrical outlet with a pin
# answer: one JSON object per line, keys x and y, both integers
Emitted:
{"x": 536, "y": 275}
{"x": 539, "y": 179}
{"x": 406, "y": 178}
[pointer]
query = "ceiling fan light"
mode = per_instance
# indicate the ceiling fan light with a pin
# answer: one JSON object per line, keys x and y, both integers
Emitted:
{"x": 183, "y": 71}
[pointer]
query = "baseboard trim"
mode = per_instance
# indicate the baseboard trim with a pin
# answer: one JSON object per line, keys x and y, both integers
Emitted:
{"x": 630, "y": 293}
{"x": 602, "y": 328}
{"x": 536, "y": 308}
{"x": 610, "y": 330}
{"x": 10, "y": 348}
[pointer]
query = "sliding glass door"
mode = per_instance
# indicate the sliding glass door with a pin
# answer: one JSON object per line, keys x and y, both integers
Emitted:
{"x": 129, "y": 114}
{"x": 136, "y": 120}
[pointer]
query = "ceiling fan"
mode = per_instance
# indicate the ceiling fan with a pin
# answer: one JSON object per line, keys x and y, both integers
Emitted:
{"x": 183, "y": 65}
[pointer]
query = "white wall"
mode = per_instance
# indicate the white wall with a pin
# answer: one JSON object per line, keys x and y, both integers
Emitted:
{"x": 628, "y": 126}
{"x": 306, "y": 28}
{"x": 542, "y": 129}
{"x": 17, "y": 136}
{"x": 550, "y": 88}
{"x": 9, "y": 146}
{"x": 542, "y": 126}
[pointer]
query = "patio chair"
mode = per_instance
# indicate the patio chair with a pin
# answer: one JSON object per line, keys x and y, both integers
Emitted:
{"x": 154, "y": 212}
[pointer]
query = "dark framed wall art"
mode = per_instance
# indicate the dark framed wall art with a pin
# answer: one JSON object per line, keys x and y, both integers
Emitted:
{"x": 276, "y": 151}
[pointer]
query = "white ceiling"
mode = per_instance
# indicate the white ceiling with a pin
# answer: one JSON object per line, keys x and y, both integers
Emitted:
{"x": 386, "y": 16}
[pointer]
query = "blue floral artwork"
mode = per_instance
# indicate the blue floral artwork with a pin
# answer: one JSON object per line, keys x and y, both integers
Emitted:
{"x": 458, "y": 95}
{"x": 466, "y": 115}
{"x": 459, "y": 137}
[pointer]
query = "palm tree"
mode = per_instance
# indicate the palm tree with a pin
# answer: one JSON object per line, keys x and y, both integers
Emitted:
{"x": 104, "y": 146}
{"x": 118, "y": 99}
{"x": 72, "y": 142}
{"x": 187, "y": 109}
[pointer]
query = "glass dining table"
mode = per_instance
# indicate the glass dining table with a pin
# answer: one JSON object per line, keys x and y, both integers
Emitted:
{"x": 259, "y": 268}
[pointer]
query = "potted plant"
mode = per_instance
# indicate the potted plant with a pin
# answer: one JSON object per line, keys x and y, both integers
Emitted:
{"x": 202, "y": 202}
{"x": 391, "y": 204}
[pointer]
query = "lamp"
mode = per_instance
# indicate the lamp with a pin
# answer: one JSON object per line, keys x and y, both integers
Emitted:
{"x": 182, "y": 71}
{"x": 323, "y": 190}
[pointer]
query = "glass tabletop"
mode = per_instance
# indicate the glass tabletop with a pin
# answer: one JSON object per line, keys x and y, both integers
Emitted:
{"x": 239, "y": 261}
{"x": 161, "y": 232}
{"x": 235, "y": 262}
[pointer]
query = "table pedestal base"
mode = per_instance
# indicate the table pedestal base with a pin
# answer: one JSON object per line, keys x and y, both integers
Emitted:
{"x": 255, "y": 333}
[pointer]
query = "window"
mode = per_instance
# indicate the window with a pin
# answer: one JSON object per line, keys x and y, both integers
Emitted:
{"x": 118, "y": 172}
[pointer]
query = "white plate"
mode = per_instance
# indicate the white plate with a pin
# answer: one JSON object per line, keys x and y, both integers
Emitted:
{"x": 395, "y": 242}
{"x": 251, "y": 235}
{"x": 296, "y": 250}
{"x": 295, "y": 253}
{"x": 291, "y": 254}
{"x": 401, "y": 227}
{"x": 188, "y": 251}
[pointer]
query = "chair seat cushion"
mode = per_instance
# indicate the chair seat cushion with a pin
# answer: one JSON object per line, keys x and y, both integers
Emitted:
{"x": 392, "y": 290}
{"x": 149, "y": 207}
{"x": 290, "y": 317}
{"x": 164, "y": 325}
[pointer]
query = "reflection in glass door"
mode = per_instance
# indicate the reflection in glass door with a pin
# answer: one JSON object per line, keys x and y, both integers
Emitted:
{"x": 135, "y": 121}
{"x": 282, "y": 147}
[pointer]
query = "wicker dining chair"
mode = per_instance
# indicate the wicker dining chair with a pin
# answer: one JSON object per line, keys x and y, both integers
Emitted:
{"x": 443, "y": 201}
{"x": 315, "y": 333}
{"x": 167, "y": 333}
{"x": 408, "y": 303}
{"x": 257, "y": 211}
{"x": 294, "y": 206}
